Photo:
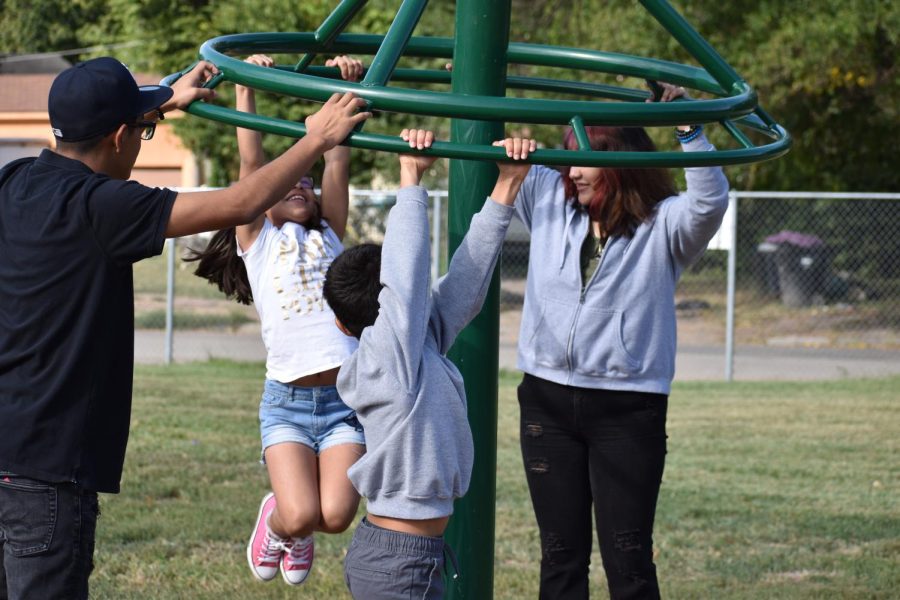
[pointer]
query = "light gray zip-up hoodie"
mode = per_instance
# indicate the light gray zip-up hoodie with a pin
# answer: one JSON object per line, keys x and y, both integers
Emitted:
{"x": 619, "y": 333}
{"x": 407, "y": 394}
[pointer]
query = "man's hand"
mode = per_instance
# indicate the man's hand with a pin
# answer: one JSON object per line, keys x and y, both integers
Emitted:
{"x": 187, "y": 89}
{"x": 413, "y": 166}
{"x": 351, "y": 69}
{"x": 336, "y": 119}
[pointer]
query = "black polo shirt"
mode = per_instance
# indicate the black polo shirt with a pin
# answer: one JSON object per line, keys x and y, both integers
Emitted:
{"x": 68, "y": 238}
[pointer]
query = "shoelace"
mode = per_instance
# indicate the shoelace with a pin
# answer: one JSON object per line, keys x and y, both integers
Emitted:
{"x": 300, "y": 552}
{"x": 271, "y": 549}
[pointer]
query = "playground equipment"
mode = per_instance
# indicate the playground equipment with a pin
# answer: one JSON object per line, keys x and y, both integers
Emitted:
{"x": 478, "y": 108}
{"x": 735, "y": 106}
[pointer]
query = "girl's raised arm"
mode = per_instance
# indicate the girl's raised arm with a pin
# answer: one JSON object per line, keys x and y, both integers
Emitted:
{"x": 336, "y": 176}
{"x": 250, "y": 149}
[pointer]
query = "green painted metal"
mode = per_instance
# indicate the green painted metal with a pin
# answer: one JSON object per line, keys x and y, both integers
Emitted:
{"x": 699, "y": 48}
{"x": 479, "y": 68}
{"x": 737, "y": 106}
{"x": 581, "y": 136}
{"x": 370, "y": 141}
{"x": 394, "y": 43}
{"x": 580, "y": 88}
{"x": 737, "y": 134}
{"x": 521, "y": 110}
{"x": 334, "y": 24}
{"x": 337, "y": 21}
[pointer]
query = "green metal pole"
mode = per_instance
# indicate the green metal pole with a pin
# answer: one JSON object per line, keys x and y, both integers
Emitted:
{"x": 395, "y": 41}
{"x": 479, "y": 67}
{"x": 333, "y": 25}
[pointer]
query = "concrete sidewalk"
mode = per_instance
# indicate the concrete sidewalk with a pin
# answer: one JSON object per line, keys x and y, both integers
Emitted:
{"x": 693, "y": 363}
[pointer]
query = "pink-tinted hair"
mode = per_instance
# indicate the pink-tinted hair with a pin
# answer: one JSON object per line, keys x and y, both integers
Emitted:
{"x": 623, "y": 197}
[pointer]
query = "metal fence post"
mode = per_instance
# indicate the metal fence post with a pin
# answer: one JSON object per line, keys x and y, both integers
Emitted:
{"x": 732, "y": 275}
{"x": 170, "y": 298}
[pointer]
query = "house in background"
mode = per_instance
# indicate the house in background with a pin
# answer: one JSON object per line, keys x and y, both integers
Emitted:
{"x": 25, "y": 131}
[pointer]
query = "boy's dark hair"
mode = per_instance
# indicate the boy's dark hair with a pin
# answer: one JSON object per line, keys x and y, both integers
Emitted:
{"x": 352, "y": 285}
{"x": 220, "y": 264}
{"x": 80, "y": 147}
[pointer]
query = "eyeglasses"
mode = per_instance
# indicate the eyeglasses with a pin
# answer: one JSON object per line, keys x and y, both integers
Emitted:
{"x": 148, "y": 128}
{"x": 307, "y": 183}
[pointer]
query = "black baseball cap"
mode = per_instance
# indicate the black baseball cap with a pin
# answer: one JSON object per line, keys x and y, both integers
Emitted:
{"x": 96, "y": 96}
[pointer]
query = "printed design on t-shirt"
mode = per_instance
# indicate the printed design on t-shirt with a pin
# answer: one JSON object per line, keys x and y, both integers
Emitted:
{"x": 299, "y": 272}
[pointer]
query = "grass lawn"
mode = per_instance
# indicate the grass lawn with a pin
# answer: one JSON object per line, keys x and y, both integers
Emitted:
{"x": 771, "y": 491}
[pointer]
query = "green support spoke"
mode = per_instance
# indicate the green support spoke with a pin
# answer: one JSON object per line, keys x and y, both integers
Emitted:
{"x": 699, "y": 48}
{"x": 737, "y": 134}
{"x": 301, "y": 66}
{"x": 214, "y": 81}
{"x": 334, "y": 24}
{"x": 395, "y": 42}
{"x": 581, "y": 136}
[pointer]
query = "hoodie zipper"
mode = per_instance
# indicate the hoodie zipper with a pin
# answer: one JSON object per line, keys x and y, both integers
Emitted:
{"x": 580, "y": 304}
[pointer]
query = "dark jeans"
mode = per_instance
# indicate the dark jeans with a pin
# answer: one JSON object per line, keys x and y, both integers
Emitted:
{"x": 46, "y": 539}
{"x": 584, "y": 447}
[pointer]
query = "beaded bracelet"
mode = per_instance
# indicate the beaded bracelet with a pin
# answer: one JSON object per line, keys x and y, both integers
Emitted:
{"x": 689, "y": 135}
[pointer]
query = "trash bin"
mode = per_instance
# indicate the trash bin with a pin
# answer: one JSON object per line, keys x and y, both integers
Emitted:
{"x": 803, "y": 263}
{"x": 765, "y": 269}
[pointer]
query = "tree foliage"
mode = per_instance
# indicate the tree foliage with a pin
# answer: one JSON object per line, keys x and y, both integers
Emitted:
{"x": 826, "y": 70}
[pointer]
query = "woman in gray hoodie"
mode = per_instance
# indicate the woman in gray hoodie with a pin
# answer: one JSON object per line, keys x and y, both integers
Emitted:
{"x": 597, "y": 346}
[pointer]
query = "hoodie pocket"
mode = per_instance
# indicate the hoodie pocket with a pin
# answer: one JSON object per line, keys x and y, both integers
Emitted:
{"x": 547, "y": 339}
{"x": 598, "y": 345}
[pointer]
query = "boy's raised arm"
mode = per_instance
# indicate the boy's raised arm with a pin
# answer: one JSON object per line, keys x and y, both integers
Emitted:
{"x": 402, "y": 319}
{"x": 459, "y": 295}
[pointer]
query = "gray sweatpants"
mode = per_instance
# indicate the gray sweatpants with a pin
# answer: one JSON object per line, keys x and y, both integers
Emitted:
{"x": 385, "y": 565}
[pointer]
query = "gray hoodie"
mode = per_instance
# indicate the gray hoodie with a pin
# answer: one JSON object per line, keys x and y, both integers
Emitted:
{"x": 619, "y": 333}
{"x": 407, "y": 394}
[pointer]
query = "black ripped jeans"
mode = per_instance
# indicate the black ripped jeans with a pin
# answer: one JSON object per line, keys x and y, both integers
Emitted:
{"x": 584, "y": 447}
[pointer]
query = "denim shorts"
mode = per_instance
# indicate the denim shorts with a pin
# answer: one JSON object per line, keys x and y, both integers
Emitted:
{"x": 313, "y": 416}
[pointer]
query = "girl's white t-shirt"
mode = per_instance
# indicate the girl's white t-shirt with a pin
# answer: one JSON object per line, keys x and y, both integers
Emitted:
{"x": 286, "y": 268}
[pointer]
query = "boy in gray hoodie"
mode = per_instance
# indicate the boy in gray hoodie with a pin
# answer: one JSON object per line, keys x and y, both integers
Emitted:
{"x": 407, "y": 394}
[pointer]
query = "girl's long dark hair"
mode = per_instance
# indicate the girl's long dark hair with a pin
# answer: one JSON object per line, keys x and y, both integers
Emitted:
{"x": 623, "y": 197}
{"x": 220, "y": 264}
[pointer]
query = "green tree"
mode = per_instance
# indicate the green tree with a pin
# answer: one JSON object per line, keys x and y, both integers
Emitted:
{"x": 33, "y": 26}
{"x": 825, "y": 70}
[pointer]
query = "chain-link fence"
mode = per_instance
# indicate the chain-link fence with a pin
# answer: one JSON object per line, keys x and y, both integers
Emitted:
{"x": 788, "y": 274}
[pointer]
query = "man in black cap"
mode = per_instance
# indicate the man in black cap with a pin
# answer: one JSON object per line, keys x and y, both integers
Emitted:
{"x": 71, "y": 226}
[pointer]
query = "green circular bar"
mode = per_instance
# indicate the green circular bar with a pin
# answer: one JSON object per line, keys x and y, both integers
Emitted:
{"x": 738, "y": 108}
{"x": 485, "y": 108}
{"x": 558, "y": 157}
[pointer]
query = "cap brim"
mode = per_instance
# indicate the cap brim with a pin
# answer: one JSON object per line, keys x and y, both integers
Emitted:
{"x": 153, "y": 96}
